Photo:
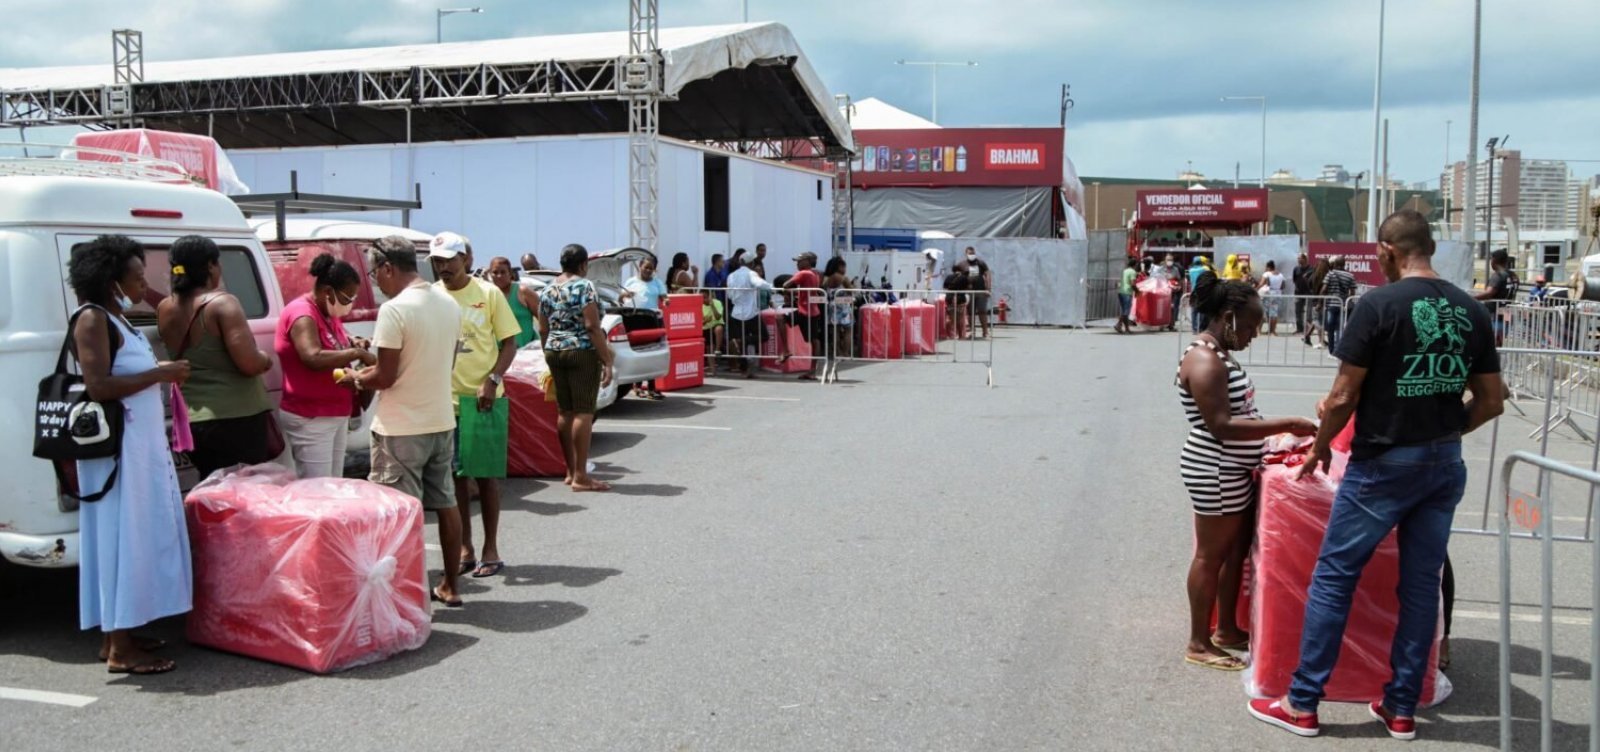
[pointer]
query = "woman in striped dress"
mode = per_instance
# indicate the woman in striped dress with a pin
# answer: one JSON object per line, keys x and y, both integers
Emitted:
{"x": 1219, "y": 461}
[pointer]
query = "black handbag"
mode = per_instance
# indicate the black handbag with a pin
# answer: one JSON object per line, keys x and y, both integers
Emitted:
{"x": 68, "y": 426}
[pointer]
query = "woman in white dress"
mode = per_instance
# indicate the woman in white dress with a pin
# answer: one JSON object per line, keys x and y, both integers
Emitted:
{"x": 1272, "y": 285}
{"x": 135, "y": 565}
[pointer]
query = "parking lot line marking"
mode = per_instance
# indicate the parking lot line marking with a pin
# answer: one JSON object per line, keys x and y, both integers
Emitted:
{"x": 679, "y": 427}
{"x": 1571, "y": 621}
{"x": 48, "y": 698}
{"x": 433, "y": 547}
{"x": 739, "y": 397}
{"x": 1290, "y": 392}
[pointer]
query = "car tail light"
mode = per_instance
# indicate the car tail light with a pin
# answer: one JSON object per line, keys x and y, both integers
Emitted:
{"x": 618, "y": 333}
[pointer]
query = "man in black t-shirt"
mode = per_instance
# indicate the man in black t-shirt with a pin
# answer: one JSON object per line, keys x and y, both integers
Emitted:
{"x": 1301, "y": 275}
{"x": 977, "y": 274}
{"x": 1501, "y": 290}
{"x": 1409, "y": 352}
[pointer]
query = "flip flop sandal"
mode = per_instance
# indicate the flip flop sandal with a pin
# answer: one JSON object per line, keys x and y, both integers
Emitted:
{"x": 488, "y": 569}
{"x": 467, "y": 565}
{"x": 455, "y": 602}
{"x": 146, "y": 644}
{"x": 1217, "y": 662}
{"x": 148, "y": 668}
{"x": 1240, "y": 645}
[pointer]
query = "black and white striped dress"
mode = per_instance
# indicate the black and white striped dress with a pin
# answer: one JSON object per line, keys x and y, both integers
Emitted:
{"x": 1220, "y": 475}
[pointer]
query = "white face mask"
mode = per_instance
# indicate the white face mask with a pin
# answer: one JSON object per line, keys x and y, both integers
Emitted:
{"x": 122, "y": 299}
{"x": 972, "y": 257}
{"x": 340, "y": 310}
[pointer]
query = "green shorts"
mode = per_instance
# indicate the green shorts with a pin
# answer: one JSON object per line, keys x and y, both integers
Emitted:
{"x": 576, "y": 374}
{"x": 418, "y": 466}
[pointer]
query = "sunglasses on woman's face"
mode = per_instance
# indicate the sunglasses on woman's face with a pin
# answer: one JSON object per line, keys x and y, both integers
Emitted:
{"x": 343, "y": 300}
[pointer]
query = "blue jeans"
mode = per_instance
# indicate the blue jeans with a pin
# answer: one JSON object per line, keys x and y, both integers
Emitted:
{"x": 1330, "y": 324}
{"x": 1416, "y": 488}
{"x": 1124, "y": 304}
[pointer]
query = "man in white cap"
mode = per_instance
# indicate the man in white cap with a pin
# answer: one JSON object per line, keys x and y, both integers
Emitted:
{"x": 487, "y": 345}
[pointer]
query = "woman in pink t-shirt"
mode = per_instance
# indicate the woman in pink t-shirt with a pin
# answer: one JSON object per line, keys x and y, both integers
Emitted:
{"x": 311, "y": 344}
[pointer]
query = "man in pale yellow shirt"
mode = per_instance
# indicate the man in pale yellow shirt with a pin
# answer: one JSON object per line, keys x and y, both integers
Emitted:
{"x": 486, "y": 347}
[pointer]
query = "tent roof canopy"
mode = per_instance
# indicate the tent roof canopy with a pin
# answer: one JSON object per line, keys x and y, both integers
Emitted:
{"x": 718, "y": 83}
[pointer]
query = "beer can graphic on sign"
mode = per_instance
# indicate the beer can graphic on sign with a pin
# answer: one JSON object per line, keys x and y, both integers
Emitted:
{"x": 883, "y": 159}
{"x": 896, "y": 161}
{"x": 925, "y": 160}
{"x": 938, "y": 159}
{"x": 909, "y": 161}
{"x": 949, "y": 159}
{"x": 961, "y": 159}
{"x": 865, "y": 161}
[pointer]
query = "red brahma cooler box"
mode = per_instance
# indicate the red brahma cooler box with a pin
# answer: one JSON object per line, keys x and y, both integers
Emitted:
{"x": 799, "y": 350}
{"x": 682, "y": 315}
{"x": 882, "y": 337}
{"x": 1291, "y": 523}
{"x": 921, "y": 322}
{"x": 1153, "y": 305}
{"x": 321, "y": 574}
{"x": 688, "y": 366}
{"x": 533, "y": 448}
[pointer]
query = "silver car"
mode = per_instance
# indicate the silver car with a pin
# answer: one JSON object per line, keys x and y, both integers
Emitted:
{"x": 637, "y": 336}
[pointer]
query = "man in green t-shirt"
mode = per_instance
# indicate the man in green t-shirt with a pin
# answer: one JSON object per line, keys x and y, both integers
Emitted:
{"x": 712, "y": 312}
{"x": 484, "y": 351}
{"x": 1125, "y": 293}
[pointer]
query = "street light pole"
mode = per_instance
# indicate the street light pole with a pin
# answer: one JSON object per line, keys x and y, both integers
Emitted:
{"x": 1377, "y": 120}
{"x": 934, "y": 65}
{"x": 438, "y": 20}
{"x": 1263, "y": 99}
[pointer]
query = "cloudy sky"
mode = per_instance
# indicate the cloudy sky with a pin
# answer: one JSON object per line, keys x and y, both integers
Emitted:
{"x": 1146, "y": 76}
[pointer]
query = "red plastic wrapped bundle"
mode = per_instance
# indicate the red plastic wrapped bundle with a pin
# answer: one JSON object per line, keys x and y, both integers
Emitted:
{"x": 686, "y": 369}
{"x": 682, "y": 315}
{"x": 1293, "y": 518}
{"x": 942, "y": 310}
{"x": 921, "y": 327}
{"x": 320, "y": 574}
{"x": 799, "y": 350}
{"x": 882, "y": 337}
{"x": 1153, "y": 305}
{"x": 533, "y": 449}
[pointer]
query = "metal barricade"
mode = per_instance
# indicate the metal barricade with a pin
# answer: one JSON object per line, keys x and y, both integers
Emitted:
{"x": 1287, "y": 349}
{"x": 862, "y": 325}
{"x": 1101, "y": 301}
{"x": 1537, "y": 513}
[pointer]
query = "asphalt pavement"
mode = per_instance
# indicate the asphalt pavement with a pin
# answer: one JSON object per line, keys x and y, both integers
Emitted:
{"x": 907, "y": 560}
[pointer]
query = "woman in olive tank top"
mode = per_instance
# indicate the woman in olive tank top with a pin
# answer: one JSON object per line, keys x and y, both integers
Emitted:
{"x": 230, "y": 413}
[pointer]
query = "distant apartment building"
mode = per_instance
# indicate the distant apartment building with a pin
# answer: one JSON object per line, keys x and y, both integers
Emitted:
{"x": 1538, "y": 194}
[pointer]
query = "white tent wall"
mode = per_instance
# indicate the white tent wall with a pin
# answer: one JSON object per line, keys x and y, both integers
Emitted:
{"x": 1453, "y": 260}
{"x": 515, "y": 196}
{"x": 1043, "y": 278}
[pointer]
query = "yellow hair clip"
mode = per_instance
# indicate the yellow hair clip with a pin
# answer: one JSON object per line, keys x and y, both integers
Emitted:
{"x": 178, "y": 270}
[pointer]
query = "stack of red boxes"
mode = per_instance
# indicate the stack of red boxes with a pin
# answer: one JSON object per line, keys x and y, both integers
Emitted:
{"x": 684, "y": 319}
{"x": 882, "y": 335}
{"x": 533, "y": 448}
{"x": 921, "y": 327}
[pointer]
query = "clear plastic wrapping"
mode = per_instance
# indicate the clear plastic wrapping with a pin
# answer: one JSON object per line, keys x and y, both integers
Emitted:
{"x": 533, "y": 448}
{"x": 1292, "y": 520}
{"x": 1153, "y": 305}
{"x": 321, "y": 574}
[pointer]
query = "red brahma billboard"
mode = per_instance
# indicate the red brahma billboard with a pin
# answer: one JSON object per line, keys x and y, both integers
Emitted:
{"x": 958, "y": 157}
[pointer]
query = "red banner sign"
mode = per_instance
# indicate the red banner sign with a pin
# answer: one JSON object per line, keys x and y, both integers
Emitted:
{"x": 1360, "y": 259}
{"x": 1241, "y": 206}
{"x": 958, "y": 157}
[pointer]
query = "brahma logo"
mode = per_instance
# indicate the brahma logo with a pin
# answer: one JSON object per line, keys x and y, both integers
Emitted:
{"x": 1247, "y": 203}
{"x": 681, "y": 319}
{"x": 688, "y": 369}
{"x": 1014, "y": 156}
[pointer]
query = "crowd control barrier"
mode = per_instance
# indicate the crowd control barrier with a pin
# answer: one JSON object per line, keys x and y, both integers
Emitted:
{"x": 853, "y": 325}
{"x": 1535, "y": 513}
{"x": 1286, "y": 349}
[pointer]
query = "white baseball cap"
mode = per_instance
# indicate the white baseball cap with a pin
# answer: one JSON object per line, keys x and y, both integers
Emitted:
{"x": 447, "y": 245}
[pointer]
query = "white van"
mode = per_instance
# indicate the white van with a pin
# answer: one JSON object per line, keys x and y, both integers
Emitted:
{"x": 41, "y": 219}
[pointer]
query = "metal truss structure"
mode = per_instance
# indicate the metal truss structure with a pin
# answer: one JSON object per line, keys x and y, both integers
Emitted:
{"x": 641, "y": 85}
